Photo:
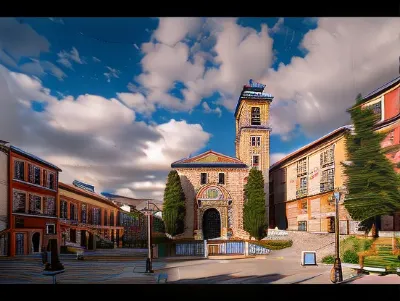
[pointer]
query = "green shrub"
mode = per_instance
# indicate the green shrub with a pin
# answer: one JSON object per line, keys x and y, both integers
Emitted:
{"x": 355, "y": 244}
{"x": 350, "y": 257}
{"x": 330, "y": 259}
{"x": 274, "y": 244}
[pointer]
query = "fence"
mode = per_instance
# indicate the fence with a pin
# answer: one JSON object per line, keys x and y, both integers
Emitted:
{"x": 226, "y": 248}
{"x": 217, "y": 247}
{"x": 190, "y": 248}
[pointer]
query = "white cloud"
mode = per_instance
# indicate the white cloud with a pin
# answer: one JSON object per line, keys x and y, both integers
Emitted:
{"x": 239, "y": 53}
{"x": 96, "y": 60}
{"x": 113, "y": 73}
{"x": 172, "y": 30}
{"x": 137, "y": 102}
{"x": 94, "y": 139}
{"x": 275, "y": 157}
{"x": 39, "y": 68}
{"x": 179, "y": 139}
{"x": 20, "y": 40}
{"x": 345, "y": 56}
{"x": 278, "y": 26}
{"x": 67, "y": 57}
{"x": 207, "y": 109}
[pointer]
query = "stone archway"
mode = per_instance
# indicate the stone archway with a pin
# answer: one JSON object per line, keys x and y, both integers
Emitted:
{"x": 211, "y": 224}
{"x": 36, "y": 242}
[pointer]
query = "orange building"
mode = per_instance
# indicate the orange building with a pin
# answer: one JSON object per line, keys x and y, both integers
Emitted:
{"x": 87, "y": 219}
{"x": 32, "y": 191}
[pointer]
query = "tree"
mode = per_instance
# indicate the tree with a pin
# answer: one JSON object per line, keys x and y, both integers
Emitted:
{"x": 254, "y": 207}
{"x": 174, "y": 205}
{"x": 372, "y": 183}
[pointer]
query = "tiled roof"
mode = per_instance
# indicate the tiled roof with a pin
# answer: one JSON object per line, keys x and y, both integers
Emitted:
{"x": 33, "y": 157}
{"x": 86, "y": 193}
{"x": 210, "y": 159}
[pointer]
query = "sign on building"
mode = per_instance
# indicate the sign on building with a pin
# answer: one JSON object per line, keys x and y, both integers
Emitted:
{"x": 314, "y": 176}
{"x": 291, "y": 181}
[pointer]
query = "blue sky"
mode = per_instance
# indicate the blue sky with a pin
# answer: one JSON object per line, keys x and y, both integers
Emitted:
{"x": 130, "y": 83}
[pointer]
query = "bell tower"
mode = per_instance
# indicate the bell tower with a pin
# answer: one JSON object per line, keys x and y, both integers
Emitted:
{"x": 253, "y": 131}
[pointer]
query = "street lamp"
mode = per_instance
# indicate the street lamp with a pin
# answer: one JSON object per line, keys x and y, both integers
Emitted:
{"x": 149, "y": 212}
{"x": 336, "y": 272}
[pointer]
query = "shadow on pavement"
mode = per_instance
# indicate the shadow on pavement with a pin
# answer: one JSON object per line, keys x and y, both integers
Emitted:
{"x": 231, "y": 279}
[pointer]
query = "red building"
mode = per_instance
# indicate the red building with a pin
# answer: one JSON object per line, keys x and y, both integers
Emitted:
{"x": 33, "y": 192}
{"x": 385, "y": 101}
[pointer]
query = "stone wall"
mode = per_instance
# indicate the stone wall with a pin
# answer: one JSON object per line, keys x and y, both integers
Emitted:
{"x": 234, "y": 184}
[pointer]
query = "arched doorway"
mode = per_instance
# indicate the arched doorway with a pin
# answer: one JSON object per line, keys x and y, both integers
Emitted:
{"x": 36, "y": 242}
{"x": 211, "y": 224}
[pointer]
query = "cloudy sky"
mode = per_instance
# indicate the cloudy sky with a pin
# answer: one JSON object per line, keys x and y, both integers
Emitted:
{"x": 113, "y": 101}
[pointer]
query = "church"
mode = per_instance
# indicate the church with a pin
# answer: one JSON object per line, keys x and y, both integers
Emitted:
{"x": 213, "y": 183}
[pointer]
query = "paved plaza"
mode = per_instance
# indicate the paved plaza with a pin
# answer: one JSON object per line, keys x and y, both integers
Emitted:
{"x": 280, "y": 267}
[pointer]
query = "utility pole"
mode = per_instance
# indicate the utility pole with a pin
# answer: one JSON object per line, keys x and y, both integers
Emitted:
{"x": 337, "y": 268}
{"x": 149, "y": 255}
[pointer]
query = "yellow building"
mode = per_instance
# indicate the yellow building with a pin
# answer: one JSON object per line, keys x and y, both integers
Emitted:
{"x": 213, "y": 183}
{"x": 302, "y": 185}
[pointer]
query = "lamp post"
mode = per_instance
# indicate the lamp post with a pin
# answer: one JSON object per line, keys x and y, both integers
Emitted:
{"x": 336, "y": 273}
{"x": 149, "y": 212}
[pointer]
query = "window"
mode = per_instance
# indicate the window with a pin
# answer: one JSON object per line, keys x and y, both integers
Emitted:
{"x": 19, "y": 170}
{"x": 255, "y": 116}
{"x": 221, "y": 178}
{"x": 49, "y": 205}
{"x": 283, "y": 173}
{"x": 50, "y": 229}
{"x": 96, "y": 216}
{"x": 327, "y": 180}
{"x": 83, "y": 213}
{"x": 327, "y": 157}
{"x": 302, "y": 167}
{"x": 34, "y": 174}
{"x": 63, "y": 209}
{"x": 302, "y": 226}
{"x": 302, "y": 187}
{"x": 90, "y": 216}
{"x": 19, "y": 201}
{"x": 256, "y": 161}
{"x": 52, "y": 182}
{"x": 203, "y": 179}
{"x": 73, "y": 212}
{"x": 377, "y": 109}
{"x": 255, "y": 140}
{"x": 35, "y": 204}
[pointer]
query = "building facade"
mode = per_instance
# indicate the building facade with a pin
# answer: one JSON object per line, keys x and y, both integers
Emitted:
{"x": 87, "y": 218}
{"x": 4, "y": 173}
{"x": 33, "y": 193}
{"x": 213, "y": 183}
{"x": 302, "y": 185}
{"x": 385, "y": 102}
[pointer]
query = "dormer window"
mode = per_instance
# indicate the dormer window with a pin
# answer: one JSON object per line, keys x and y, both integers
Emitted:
{"x": 255, "y": 116}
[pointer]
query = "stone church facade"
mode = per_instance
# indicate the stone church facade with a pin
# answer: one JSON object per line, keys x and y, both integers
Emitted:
{"x": 213, "y": 183}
